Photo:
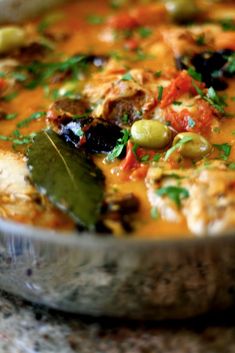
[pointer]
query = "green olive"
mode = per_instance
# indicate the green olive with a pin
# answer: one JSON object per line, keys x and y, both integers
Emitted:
{"x": 11, "y": 37}
{"x": 150, "y": 134}
{"x": 182, "y": 10}
{"x": 196, "y": 148}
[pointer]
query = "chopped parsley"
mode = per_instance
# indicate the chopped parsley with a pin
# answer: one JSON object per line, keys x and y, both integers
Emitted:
{"x": 194, "y": 74}
{"x": 175, "y": 193}
{"x": 145, "y": 32}
{"x": 125, "y": 118}
{"x": 200, "y": 40}
{"x": 10, "y": 116}
{"x": 232, "y": 166}
{"x": 19, "y": 76}
{"x": 212, "y": 98}
{"x": 216, "y": 129}
{"x": 49, "y": 20}
{"x": 157, "y": 157}
{"x": 145, "y": 158}
{"x": 191, "y": 122}
{"x": 95, "y": 19}
{"x": 177, "y": 103}
{"x": 32, "y": 117}
{"x": 17, "y": 139}
{"x": 231, "y": 64}
{"x": 228, "y": 24}
{"x": 177, "y": 146}
{"x": 158, "y": 74}
{"x": 40, "y": 72}
{"x": 225, "y": 150}
{"x": 154, "y": 213}
{"x": 119, "y": 148}
{"x": 141, "y": 55}
{"x": 9, "y": 97}
{"x": 160, "y": 93}
{"x": 134, "y": 150}
{"x": 127, "y": 77}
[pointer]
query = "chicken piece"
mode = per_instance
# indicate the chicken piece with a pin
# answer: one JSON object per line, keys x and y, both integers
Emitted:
{"x": 188, "y": 42}
{"x": 115, "y": 93}
{"x": 206, "y": 196}
{"x": 185, "y": 41}
{"x": 19, "y": 199}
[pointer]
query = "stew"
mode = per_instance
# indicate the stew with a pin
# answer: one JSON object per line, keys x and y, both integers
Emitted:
{"x": 117, "y": 117}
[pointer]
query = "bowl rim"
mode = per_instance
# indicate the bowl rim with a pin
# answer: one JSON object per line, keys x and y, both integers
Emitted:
{"x": 98, "y": 241}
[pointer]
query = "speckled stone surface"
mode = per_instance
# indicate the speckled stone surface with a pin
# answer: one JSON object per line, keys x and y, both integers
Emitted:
{"x": 26, "y": 328}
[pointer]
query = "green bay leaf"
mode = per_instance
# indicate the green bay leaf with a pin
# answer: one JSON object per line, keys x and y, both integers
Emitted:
{"x": 67, "y": 176}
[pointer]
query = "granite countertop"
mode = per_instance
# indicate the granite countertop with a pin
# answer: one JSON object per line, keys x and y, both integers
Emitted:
{"x": 26, "y": 328}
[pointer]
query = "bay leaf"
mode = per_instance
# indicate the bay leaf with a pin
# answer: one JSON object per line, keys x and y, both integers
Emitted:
{"x": 67, "y": 176}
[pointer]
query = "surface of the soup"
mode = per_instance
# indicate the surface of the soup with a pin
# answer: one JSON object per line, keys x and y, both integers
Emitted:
{"x": 118, "y": 117}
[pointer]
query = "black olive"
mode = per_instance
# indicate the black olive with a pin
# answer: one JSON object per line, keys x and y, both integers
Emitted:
{"x": 126, "y": 205}
{"x": 97, "y": 60}
{"x": 121, "y": 210}
{"x": 102, "y": 137}
{"x": 93, "y": 59}
{"x": 95, "y": 135}
{"x": 211, "y": 65}
{"x": 208, "y": 62}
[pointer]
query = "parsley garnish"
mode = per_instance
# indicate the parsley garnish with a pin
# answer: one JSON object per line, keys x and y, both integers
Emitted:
{"x": 194, "y": 74}
{"x": 32, "y": 117}
{"x": 212, "y": 98}
{"x": 200, "y": 40}
{"x": 95, "y": 19}
{"x": 125, "y": 118}
{"x": 145, "y": 32}
{"x": 231, "y": 64}
{"x": 160, "y": 93}
{"x": 145, "y": 158}
{"x": 225, "y": 150}
{"x": 216, "y": 129}
{"x": 141, "y": 55}
{"x": 177, "y": 146}
{"x": 10, "y": 96}
{"x": 134, "y": 150}
{"x": 154, "y": 213}
{"x": 215, "y": 100}
{"x": 127, "y": 77}
{"x": 40, "y": 72}
{"x": 157, "y": 157}
{"x": 231, "y": 166}
{"x": 175, "y": 193}
{"x": 121, "y": 144}
{"x": 177, "y": 103}
{"x": 228, "y": 24}
{"x": 158, "y": 73}
{"x": 11, "y": 116}
{"x": 191, "y": 122}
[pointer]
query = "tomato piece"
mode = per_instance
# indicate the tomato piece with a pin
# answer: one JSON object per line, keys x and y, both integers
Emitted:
{"x": 140, "y": 173}
{"x": 182, "y": 84}
{"x": 123, "y": 21}
{"x": 130, "y": 162}
{"x": 202, "y": 117}
{"x": 3, "y": 84}
{"x": 131, "y": 44}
